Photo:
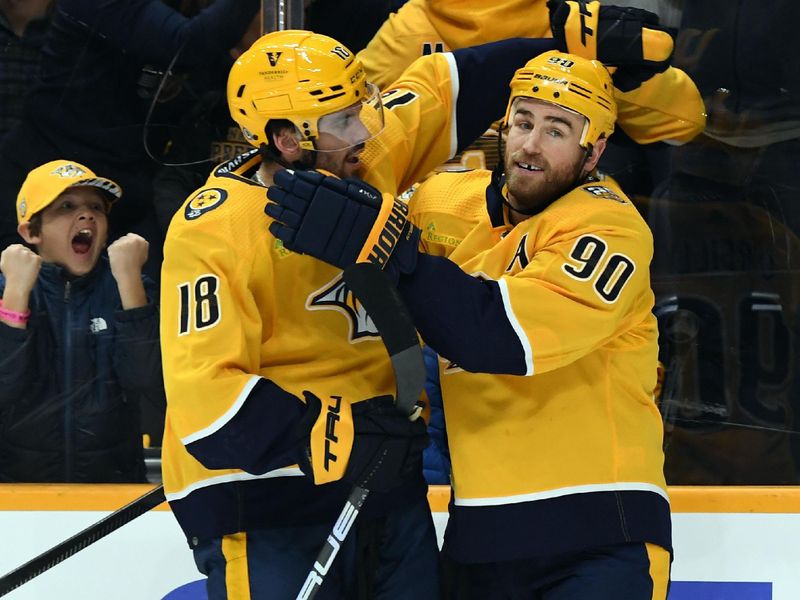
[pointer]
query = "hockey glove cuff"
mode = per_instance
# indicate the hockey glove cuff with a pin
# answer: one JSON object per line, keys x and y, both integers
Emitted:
{"x": 341, "y": 221}
{"x": 369, "y": 443}
{"x": 628, "y": 40}
{"x": 328, "y": 438}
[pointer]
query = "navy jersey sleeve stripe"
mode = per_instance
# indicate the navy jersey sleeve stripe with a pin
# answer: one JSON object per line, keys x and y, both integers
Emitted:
{"x": 465, "y": 319}
{"x": 483, "y": 75}
{"x": 257, "y": 435}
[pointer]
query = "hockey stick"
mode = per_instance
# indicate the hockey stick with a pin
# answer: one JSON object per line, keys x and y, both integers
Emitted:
{"x": 376, "y": 292}
{"x": 50, "y": 558}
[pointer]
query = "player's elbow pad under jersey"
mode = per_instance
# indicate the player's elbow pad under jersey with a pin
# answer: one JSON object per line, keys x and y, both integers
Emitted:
{"x": 261, "y": 436}
{"x": 465, "y": 319}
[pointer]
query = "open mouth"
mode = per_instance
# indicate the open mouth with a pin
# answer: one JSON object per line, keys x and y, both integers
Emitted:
{"x": 528, "y": 167}
{"x": 82, "y": 242}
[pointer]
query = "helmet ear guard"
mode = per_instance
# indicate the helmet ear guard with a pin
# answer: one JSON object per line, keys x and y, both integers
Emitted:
{"x": 571, "y": 82}
{"x": 298, "y": 76}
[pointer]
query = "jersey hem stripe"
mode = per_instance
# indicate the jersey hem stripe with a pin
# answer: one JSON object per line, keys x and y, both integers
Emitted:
{"x": 241, "y": 476}
{"x": 572, "y": 523}
{"x": 558, "y": 493}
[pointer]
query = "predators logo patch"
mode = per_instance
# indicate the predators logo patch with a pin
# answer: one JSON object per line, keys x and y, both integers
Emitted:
{"x": 337, "y": 296}
{"x": 69, "y": 171}
{"x": 204, "y": 201}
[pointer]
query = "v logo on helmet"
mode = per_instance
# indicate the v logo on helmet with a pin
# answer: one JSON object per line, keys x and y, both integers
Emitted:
{"x": 273, "y": 58}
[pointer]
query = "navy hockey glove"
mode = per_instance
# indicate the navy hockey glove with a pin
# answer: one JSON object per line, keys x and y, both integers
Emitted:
{"x": 341, "y": 221}
{"x": 628, "y": 40}
{"x": 368, "y": 443}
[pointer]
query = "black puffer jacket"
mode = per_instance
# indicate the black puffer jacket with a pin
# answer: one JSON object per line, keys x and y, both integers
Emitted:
{"x": 70, "y": 383}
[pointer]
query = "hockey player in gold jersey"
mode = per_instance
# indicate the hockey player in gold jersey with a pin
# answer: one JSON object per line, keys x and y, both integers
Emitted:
{"x": 269, "y": 361}
{"x": 534, "y": 287}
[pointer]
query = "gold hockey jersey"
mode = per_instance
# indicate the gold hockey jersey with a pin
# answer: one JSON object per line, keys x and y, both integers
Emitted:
{"x": 555, "y": 439}
{"x": 247, "y": 326}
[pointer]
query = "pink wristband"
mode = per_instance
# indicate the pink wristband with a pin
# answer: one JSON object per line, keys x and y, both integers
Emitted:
{"x": 14, "y": 316}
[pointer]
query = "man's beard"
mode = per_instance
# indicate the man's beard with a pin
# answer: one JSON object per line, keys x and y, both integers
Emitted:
{"x": 335, "y": 162}
{"x": 530, "y": 199}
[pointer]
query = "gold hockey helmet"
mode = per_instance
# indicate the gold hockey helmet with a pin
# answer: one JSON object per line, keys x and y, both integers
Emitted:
{"x": 309, "y": 79}
{"x": 577, "y": 84}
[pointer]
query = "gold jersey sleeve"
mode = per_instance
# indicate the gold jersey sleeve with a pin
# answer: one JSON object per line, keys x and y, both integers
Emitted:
{"x": 422, "y": 27}
{"x": 667, "y": 107}
{"x": 420, "y": 129}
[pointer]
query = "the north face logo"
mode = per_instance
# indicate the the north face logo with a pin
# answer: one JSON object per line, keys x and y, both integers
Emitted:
{"x": 273, "y": 58}
{"x": 97, "y": 324}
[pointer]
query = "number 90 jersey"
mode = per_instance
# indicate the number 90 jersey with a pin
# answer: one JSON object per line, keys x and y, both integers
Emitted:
{"x": 568, "y": 455}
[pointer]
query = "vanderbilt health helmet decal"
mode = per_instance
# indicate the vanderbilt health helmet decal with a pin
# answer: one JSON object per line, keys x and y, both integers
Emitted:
{"x": 337, "y": 296}
{"x": 204, "y": 201}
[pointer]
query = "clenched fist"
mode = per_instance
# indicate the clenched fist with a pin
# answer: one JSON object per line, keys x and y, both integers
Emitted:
{"x": 127, "y": 256}
{"x": 20, "y": 266}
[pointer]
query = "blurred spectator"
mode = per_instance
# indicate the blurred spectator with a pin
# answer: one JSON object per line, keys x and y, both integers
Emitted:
{"x": 78, "y": 336}
{"x": 23, "y": 24}
{"x": 352, "y": 22}
{"x": 725, "y": 268}
{"x": 99, "y": 74}
{"x": 205, "y": 136}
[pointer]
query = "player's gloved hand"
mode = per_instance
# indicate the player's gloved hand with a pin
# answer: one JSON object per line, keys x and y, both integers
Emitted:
{"x": 341, "y": 221}
{"x": 368, "y": 443}
{"x": 627, "y": 40}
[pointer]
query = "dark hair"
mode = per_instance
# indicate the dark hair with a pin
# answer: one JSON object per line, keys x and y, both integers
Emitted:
{"x": 35, "y": 224}
{"x": 272, "y": 128}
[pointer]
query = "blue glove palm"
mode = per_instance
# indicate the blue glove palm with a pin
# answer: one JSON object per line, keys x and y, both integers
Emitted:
{"x": 341, "y": 222}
